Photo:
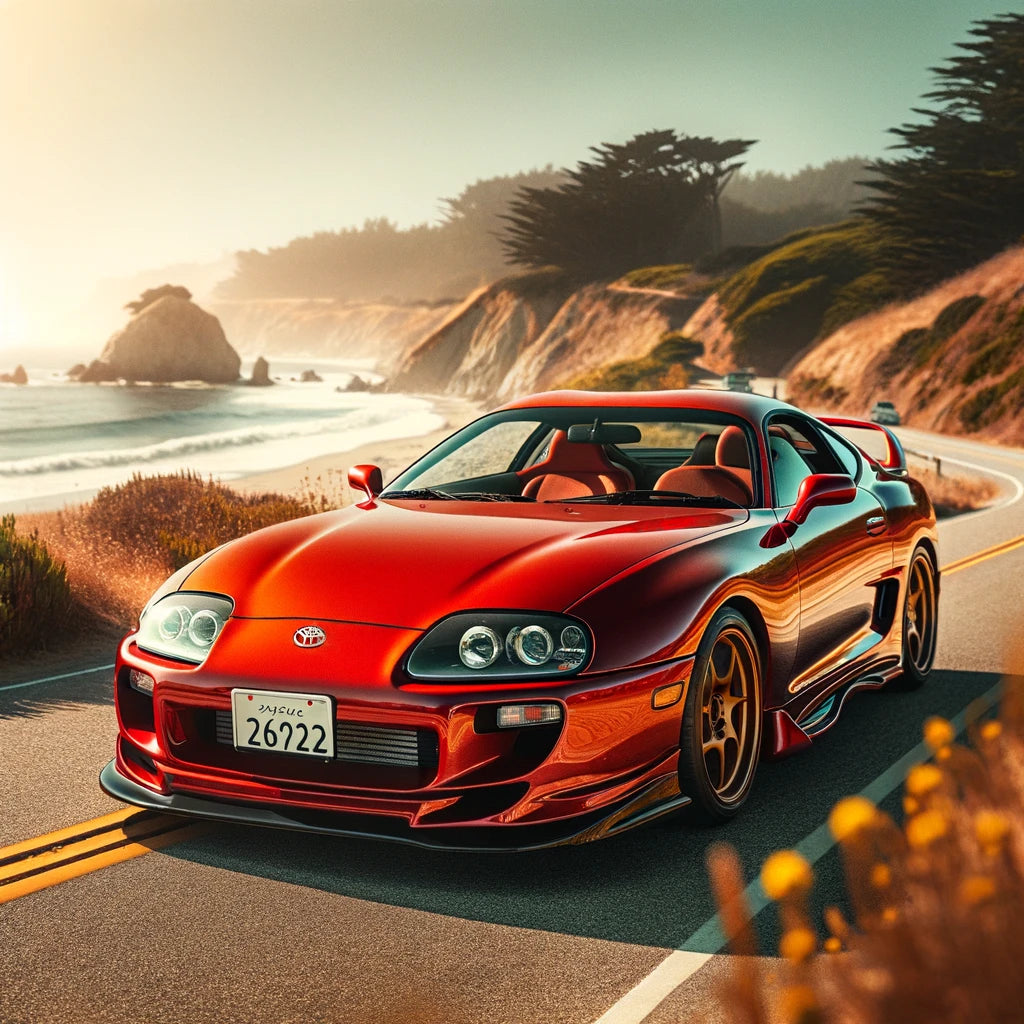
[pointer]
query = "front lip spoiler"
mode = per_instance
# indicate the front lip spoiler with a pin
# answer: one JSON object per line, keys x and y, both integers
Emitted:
{"x": 654, "y": 800}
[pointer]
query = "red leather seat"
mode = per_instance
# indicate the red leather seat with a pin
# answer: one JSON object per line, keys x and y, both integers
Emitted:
{"x": 730, "y": 477}
{"x": 573, "y": 468}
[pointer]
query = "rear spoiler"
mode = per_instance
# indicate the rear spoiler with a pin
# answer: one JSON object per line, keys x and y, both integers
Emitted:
{"x": 893, "y": 459}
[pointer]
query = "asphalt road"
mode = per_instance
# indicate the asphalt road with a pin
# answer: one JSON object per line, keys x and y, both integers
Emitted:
{"x": 254, "y": 925}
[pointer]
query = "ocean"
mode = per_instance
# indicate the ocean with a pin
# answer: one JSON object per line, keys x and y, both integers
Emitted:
{"x": 61, "y": 441}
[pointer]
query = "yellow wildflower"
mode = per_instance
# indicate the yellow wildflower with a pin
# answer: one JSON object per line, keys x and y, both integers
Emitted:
{"x": 881, "y": 876}
{"x": 890, "y": 915}
{"x": 850, "y": 816}
{"x": 923, "y": 779}
{"x": 799, "y": 1003}
{"x": 991, "y": 731}
{"x": 976, "y": 889}
{"x": 784, "y": 873}
{"x": 991, "y": 828}
{"x": 910, "y": 806}
{"x": 938, "y": 732}
{"x": 925, "y": 828}
{"x": 833, "y": 945}
{"x": 798, "y": 944}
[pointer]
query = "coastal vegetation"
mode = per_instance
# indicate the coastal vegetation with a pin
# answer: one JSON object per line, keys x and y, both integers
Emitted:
{"x": 940, "y": 897}
{"x": 664, "y": 368}
{"x": 63, "y": 573}
{"x": 35, "y": 597}
{"x": 652, "y": 199}
{"x": 954, "y": 198}
{"x": 435, "y": 262}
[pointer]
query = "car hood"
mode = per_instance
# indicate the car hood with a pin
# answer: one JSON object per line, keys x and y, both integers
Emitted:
{"x": 407, "y": 563}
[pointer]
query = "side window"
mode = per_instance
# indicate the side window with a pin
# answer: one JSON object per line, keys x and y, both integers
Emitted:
{"x": 797, "y": 450}
{"x": 788, "y": 469}
{"x": 846, "y": 455}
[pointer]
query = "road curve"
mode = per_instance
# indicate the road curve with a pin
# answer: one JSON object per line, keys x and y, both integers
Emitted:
{"x": 250, "y": 925}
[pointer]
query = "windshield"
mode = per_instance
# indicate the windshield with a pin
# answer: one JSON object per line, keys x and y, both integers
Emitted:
{"x": 597, "y": 454}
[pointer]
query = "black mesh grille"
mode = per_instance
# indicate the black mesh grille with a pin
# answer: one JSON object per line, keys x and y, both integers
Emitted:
{"x": 403, "y": 746}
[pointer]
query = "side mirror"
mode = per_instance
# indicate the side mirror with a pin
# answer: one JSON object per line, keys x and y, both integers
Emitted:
{"x": 367, "y": 479}
{"x": 821, "y": 489}
{"x": 816, "y": 489}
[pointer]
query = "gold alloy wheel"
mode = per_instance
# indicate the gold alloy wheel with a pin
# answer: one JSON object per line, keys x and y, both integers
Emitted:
{"x": 919, "y": 615}
{"x": 729, "y": 715}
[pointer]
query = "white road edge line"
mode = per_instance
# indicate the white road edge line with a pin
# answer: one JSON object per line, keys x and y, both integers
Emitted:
{"x": 708, "y": 939}
{"x": 998, "y": 506}
{"x": 53, "y": 679}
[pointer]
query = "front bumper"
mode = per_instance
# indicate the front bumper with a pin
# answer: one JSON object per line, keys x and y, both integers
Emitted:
{"x": 611, "y": 764}
{"x": 654, "y": 801}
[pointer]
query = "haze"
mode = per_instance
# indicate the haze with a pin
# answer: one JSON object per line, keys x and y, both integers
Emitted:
{"x": 143, "y": 133}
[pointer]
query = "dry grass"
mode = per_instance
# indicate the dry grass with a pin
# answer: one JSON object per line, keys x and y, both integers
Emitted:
{"x": 938, "y": 933}
{"x": 119, "y": 547}
{"x": 952, "y": 495}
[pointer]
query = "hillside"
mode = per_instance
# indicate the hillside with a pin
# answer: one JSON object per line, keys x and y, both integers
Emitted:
{"x": 951, "y": 360}
{"x": 532, "y": 332}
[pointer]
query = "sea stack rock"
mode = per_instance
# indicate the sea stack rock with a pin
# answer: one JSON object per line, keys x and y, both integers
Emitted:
{"x": 260, "y": 374}
{"x": 18, "y": 377}
{"x": 169, "y": 338}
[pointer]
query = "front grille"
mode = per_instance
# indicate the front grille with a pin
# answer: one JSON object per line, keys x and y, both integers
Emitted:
{"x": 403, "y": 746}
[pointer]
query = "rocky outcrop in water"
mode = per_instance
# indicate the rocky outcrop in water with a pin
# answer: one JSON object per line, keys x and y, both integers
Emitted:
{"x": 18, "y": 377}
{"x": 260, "y": 374}
{"x": 171, "y": 339}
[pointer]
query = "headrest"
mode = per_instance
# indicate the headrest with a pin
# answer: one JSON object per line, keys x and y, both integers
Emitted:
{"x": 703, "y": 453}
{"x": 574, "y": 457}
{"x": 732, "y": 449}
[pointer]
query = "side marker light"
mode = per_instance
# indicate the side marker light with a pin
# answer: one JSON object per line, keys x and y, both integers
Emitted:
{"x": 666, "y": 696}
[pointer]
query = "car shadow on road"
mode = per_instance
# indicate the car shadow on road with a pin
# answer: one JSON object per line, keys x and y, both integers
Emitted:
{"x": 647, "y": 886}
{"x": 65, "y": 694}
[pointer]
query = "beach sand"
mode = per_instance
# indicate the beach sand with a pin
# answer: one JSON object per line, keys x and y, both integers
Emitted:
{"x": 327, "y": 474}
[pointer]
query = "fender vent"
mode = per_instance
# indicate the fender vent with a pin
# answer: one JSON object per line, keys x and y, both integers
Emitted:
{"x": 403, "y": 746}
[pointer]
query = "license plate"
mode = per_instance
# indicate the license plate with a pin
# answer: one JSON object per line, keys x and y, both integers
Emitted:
{"x": 283, "y": 723}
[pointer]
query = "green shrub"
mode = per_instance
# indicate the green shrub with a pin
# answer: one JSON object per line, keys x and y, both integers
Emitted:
{"x": 177, "y": 517}
{"x": 670, "y": 277}
{"x": 35, "y": 599}
{"x": 989, "y": 404}
{"x": 811, "y": 284}
{"x": 955, "y": 315}
{"x": 996, "y": 348}
{"x": 660, "y": 369}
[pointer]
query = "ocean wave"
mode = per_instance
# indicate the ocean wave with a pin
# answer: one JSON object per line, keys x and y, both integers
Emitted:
{"x": 180, "y": 447}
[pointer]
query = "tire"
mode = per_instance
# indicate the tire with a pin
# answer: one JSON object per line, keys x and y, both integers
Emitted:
{"x": 920, "y": 623}
{"x": 720, "y": 738}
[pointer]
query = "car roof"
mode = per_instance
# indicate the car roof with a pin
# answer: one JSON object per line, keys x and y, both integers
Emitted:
{"x": 750, "y": 406}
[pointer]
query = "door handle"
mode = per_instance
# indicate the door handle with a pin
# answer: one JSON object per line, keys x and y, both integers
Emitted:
{"x": 875, "y": 525}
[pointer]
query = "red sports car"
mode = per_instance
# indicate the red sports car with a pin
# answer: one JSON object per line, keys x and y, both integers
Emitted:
{"x": 577, "y": 613}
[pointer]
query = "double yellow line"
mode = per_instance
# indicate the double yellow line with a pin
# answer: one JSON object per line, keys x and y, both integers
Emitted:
{"x": 983, "y": 556}
{"x": 70, "y": 852}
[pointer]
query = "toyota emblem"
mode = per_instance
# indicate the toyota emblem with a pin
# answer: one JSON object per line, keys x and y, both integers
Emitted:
{"x": 309, "y": 636}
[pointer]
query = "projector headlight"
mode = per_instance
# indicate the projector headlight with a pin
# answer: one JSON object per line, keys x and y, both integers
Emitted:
{"x": 183, "y": 626}
{"x": 501, "y": 645}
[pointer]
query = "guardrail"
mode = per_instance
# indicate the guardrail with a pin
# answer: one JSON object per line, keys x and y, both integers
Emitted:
{"x": 927, "y": 458}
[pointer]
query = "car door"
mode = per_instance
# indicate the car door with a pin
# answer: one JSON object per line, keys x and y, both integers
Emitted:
{"x": 841, "y": 551}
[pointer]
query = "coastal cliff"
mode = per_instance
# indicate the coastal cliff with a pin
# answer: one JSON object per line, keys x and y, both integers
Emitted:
{"x": 534, "y": 332}
{"x": 328, "y": 328}
{"x": 951, "y": 360}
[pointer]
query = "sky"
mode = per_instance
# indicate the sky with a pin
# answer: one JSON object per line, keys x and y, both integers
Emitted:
{"x": 137, "y": 134}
